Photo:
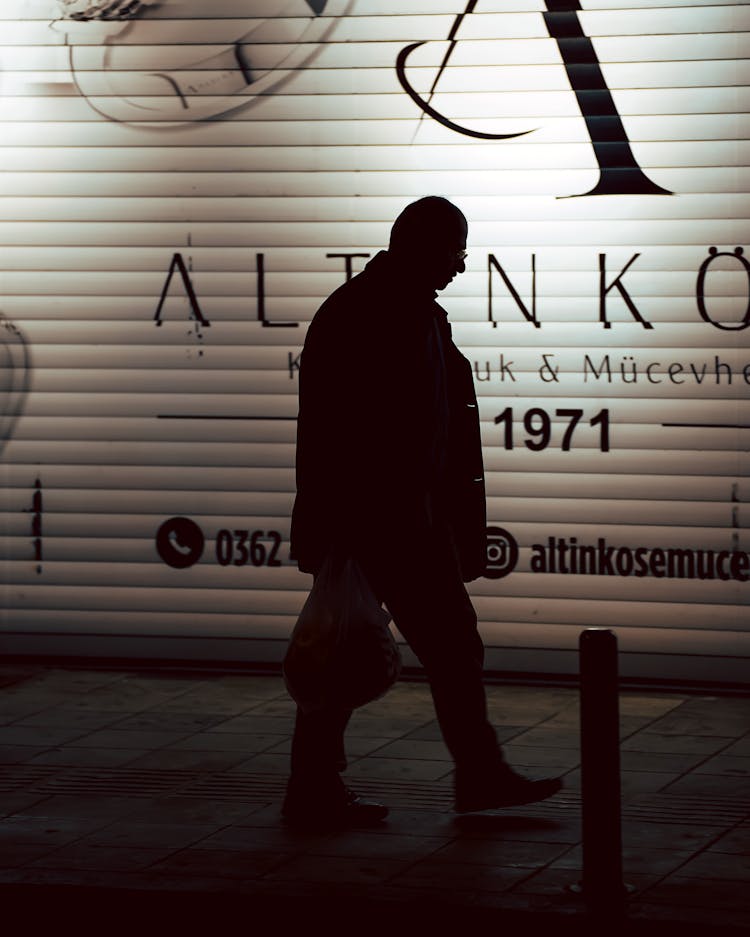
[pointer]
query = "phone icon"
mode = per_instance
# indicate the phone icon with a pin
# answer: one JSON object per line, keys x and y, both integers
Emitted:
{"x": 174, "y": 540}
{"x": 180, "y": 542}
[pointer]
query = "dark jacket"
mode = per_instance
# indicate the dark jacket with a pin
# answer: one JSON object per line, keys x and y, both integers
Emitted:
{"x": 388, "y": 442}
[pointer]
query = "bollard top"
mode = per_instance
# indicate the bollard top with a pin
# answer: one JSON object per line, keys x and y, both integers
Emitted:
{"x": 598, "y": 636}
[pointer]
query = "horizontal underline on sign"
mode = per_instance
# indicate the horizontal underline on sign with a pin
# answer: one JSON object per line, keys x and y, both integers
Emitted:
{"x": 190, "y": 416}
{"x": 709, "y": 425}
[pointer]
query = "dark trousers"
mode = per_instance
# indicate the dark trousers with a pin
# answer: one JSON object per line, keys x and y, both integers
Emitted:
{"x": 431, "y": 608}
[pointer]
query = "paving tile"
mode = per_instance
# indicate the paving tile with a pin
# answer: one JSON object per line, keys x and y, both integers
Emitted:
{"x": 557, "y": 883}
{"x": 149, "y": 721}
{"x": 429, "y": 731}
{"x": 727, "y": 707}
{"x": 408, "y": 716}
{"x": 636, "y": 705}
{"x": 731, "y": 921}
{"x": 223, "y": 863}
{"x": 65, "y": 805}
{"x": 170, "y": 836}
{"x": 375, "y": 767}
{"x": 517, "y": 715}
{"x": 740, "y": 747}
{"x": 14, "y": 673}
{"x": 667, "y": 762}
{"x": 256, "y": 724}
{"x": 340, "y": 870}
{"x": 282, "y": 706}
{"x": 569, "y": 717}
{"x": 120, "y": 738}
{"x": 89, "y": 878}
{"x": 529, "y": 756}
{"x": 84, "y": 757}
{"x": 461, "y": 876}
{"x": 25, "y": 696}
{"x": 108, "y": 707}
{"x": 633, "y": 784}
{"x": 110, "y": 858}
{"x": 667, "y": 835}
{"x": 717, "y": 865}
{"x": 52, "y": 831}
{"x": 190, "y": 810}
{"x": 39, "y": 736}
{"x": 365, "y": 844}
{"x": 736, "y": 766}
{"x": 418, "y": 749}
{"x": 683, "y": 891}
{"x": 528, "y": 829}
{"x": 647, "y": 741}
{"x": 735, "y": 842}
{"x": 630, "y": 725}
{"x": 73, "y": 681}
{"x": 80, "y": 719}
{"x": 356, "y": 746}
{"x": 553, "y": 698}
{"x": 712, "y": 784}
{"x": 164, "y": 684}
{"x": 641, "y": 860}
{"x": 17, "y": 855}
{"x": 226, "y": 704}
{"x": 542, "y": 737}
{"x": 265, "y": 764}
{"x": 507, "y": 853}
{"x": 226, "y": 742}
{"x": 417, "y": 822}
{"x": 263, "y": 839}
{"x": 172, "y": 758}
{"x": 259, "y": 816}
{"x": 18, "y": 801}
{"x": 14, "y": 709}
{"x": 708, "y": 723}
{"x": 20, "y": 754}
{"x": 553, "y": 882}
{"x": 260, "y": 686}
{"x": 389, "y": 727}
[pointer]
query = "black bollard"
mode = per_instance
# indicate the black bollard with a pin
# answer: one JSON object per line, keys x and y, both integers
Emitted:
{"x": 602, "y": 886}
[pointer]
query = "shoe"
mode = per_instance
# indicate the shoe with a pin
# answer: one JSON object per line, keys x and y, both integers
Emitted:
{"x": 352, "y": 811}
{"x": 510, "y": 789}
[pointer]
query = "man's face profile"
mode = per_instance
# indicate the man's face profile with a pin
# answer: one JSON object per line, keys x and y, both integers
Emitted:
{"x": 430, "y": 237}
{"x": 448, "y": 262}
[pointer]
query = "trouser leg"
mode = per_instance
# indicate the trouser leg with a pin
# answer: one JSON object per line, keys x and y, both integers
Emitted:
{"x": 433, "y": 611}
{"x": 318, "y": 754}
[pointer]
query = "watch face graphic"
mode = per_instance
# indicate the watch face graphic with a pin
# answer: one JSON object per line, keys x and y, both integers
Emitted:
{"x": 15, "y": 372}
{"x": 149, "y": 61}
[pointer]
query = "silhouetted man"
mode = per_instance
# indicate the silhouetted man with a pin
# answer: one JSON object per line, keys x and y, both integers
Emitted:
{"x": 389, "y": 468}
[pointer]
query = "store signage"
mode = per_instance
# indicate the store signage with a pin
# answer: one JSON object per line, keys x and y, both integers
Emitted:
{"x": 180, "y": 193}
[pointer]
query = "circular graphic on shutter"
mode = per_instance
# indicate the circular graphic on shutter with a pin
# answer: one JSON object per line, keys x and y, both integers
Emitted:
{"x": 164, "y": 61}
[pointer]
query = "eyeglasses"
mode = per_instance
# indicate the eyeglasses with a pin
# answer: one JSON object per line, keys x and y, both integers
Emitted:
{"x": 461, "y": 255}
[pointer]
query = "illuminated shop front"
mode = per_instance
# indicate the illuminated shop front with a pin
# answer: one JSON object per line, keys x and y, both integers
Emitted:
{"x": 180, "y": 191}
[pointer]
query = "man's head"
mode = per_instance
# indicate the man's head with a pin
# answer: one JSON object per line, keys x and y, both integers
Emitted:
{"x": 429, "y": 236}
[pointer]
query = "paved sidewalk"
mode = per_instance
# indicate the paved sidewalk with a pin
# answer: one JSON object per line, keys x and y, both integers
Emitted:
{"x": 147, "y": 786}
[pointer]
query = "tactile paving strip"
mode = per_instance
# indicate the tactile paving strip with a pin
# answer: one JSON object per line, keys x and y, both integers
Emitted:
{"x": 699, "y": 809}
{"x": 18, "y": 777}
{"x": 241, "y": 786}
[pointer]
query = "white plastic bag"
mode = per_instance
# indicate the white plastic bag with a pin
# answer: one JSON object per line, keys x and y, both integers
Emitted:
{"x": 341, "y": 652}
